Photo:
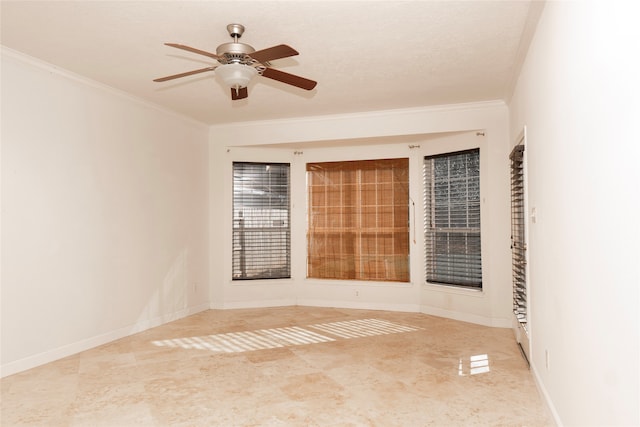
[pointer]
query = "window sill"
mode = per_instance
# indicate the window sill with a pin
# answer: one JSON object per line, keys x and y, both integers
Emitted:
{"x": 451, "y": 289}
{"x": 344, "y": 283}
{"x": 254, "y": 282}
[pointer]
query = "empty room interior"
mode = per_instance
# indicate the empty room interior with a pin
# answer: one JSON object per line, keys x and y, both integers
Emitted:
{"x": 318, "y": 213}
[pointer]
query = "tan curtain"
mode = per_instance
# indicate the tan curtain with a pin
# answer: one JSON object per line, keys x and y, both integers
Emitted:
{"x": 358, "y": 220}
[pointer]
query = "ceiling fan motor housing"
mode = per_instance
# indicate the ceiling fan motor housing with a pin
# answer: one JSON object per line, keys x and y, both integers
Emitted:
{"x": 235, "y": 52}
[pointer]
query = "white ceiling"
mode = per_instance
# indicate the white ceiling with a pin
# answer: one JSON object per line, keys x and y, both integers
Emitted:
{"x": 365, "y": 55}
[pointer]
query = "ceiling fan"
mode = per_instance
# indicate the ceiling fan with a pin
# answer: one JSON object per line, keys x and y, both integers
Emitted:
{"x": 238, "y": 63}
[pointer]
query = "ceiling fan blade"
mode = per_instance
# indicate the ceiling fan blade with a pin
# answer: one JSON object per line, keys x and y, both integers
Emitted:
{"x": 193, "y": 49}
{"x": 289, "y": 79}
{"x": 241, "y": 94}
{"x": 275, "y": 52}
{"x": 188, "y": 73}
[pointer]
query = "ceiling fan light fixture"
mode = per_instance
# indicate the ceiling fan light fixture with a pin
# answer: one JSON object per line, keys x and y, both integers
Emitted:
{"x": 236, "y": 76}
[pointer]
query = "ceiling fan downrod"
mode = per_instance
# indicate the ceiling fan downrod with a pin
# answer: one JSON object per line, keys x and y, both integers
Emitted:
{"x": 235, "y": 51}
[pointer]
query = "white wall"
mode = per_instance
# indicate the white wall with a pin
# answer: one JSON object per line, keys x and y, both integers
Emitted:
{"x": 386, "y": 134}
{"x": 578, "y": 95}
{"x": 104, "y": 214}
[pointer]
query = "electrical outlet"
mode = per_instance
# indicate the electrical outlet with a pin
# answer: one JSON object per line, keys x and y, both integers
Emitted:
{"x": 357, "y": 293}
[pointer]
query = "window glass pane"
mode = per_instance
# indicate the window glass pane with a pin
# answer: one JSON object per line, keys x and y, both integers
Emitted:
{"x": 261, "y": 221}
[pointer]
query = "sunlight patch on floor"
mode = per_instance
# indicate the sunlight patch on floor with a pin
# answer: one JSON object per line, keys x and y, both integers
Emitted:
{"x": 262, "y": 339}
{"x": 235, "y": 342}
{"x": 363, "y": 328}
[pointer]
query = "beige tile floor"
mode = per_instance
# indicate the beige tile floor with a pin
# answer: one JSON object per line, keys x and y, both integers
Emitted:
{"x": 290, "y": 366}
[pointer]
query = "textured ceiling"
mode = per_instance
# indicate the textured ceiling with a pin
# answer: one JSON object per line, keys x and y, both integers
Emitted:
{"x": 365, "y": 55}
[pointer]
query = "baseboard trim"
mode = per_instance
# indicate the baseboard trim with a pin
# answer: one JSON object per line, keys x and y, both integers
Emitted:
{"x": 231, "y": 305}
{"x": 95, "y": 341}
{"x": 409, "y": 308}
{"x": 545, "y": 396}
{"x": 494, "y": 322}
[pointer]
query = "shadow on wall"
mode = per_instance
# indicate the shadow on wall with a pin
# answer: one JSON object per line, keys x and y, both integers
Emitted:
{"x": 172, "y": 296}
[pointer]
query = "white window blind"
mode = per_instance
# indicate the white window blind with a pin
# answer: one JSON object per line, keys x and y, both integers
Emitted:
{"x": 518, "y": 245}
{"x": 452, "y": 218}
{"x": 261, "y": 221}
